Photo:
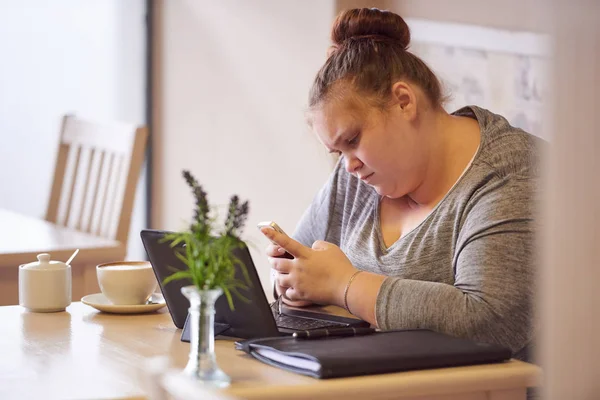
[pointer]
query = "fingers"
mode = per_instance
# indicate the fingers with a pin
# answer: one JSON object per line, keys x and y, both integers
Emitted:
{"x": 294, "y": 295}
{"x": 320, "y": 245}
{"x": 296, "y": 303}
{"x": 276, "y": 251}
{"x": 284, "y": 281}
{"x": 293, "y": 247}
{"x": 292, "y": 303}
{"x": 279, "y": 290}
{"x": 281, "y": 264}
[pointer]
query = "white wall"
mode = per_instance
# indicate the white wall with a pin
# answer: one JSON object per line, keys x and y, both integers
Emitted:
{"x": 570, "y": 301}
{"x": 231, "y": 90}
{"x": 64, "y": 56}
{"x": 514, "y": 15}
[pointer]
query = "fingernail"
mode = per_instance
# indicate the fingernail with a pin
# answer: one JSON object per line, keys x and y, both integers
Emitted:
{"x": 281, "y": 250}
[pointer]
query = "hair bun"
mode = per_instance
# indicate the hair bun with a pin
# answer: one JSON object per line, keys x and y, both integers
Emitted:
{"x": 365, "y": 22}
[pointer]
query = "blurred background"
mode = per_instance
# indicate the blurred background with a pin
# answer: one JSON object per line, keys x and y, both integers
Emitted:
{"x": 222, "y": 87}
{"x": 87, "y": 58}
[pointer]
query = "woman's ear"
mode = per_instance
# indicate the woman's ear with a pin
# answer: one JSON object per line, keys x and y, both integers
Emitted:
{"x": 404, "y": 97}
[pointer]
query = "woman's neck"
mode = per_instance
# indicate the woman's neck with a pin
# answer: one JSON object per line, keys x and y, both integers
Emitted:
{"x": 452, "y": 142}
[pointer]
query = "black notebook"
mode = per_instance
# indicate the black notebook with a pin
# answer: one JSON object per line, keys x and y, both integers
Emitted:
{"x": 377, "y": 353}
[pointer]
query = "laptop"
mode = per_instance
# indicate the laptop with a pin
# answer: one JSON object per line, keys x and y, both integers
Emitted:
{"x": 253, "y": 319}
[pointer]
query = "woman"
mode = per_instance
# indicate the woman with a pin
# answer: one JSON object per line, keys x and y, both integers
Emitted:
{"x": 427, "y": 220}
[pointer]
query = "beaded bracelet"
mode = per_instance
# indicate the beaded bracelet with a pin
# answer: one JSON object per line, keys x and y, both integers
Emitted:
{"x": 346, "y": 290}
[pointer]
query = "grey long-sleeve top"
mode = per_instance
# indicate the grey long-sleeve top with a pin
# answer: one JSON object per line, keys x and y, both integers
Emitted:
{"x": 468, "y": 268}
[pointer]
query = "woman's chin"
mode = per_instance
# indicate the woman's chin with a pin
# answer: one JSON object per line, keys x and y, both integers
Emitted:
{"x": 381, "y": 190}
{"x": 386, "y": 192}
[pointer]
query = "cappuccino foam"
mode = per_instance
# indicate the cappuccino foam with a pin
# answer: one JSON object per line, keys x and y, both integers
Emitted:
{"x": 125, "y": 267}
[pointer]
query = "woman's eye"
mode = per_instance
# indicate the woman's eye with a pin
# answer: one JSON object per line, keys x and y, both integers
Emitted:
{"x": 353, "y": 141}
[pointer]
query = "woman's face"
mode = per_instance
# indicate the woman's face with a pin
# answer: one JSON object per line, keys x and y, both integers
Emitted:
{"x": 381, "y": 147}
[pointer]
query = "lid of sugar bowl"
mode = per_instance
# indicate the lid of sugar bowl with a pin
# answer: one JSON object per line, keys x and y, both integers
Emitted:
{"x": 44, "y": 262}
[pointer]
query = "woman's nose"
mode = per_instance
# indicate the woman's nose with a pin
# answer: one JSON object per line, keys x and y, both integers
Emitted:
{"x": 353, "y": 164}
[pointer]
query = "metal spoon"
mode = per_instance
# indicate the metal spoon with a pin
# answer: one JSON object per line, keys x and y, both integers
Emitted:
{"x": 72, "y": 257}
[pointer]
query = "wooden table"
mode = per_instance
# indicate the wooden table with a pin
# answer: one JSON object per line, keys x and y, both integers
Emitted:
{"x": 82, "y": 353}
{"x": 22, "y": 238}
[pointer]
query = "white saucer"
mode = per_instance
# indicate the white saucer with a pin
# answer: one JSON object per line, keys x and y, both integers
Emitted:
{"x": 100, "y": 302}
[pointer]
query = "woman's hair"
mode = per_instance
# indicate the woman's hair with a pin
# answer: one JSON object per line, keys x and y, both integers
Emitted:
{"x": 369, "y": 53}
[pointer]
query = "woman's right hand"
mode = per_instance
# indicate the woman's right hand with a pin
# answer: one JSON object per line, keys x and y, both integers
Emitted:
{"x": 277, "y": 252}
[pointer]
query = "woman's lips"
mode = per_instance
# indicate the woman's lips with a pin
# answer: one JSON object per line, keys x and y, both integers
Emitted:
{"x": 367, "y": 178}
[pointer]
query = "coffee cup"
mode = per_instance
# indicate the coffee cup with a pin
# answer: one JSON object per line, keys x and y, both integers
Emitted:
{"x": 126, "y": 282}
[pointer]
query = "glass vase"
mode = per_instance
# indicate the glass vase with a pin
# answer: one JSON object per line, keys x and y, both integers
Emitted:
{"x": 202, "y": 364}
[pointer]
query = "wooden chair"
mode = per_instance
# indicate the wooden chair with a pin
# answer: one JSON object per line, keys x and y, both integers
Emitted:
{"x": 96, "y": 176}
{"x": 95, "y": 179}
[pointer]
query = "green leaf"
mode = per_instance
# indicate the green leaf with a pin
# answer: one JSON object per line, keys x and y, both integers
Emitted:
{"x": 229, "y": 298}
{"x": 176, "y": 241}
{"x": 187, "y": 261}
{"x": 239, "y": 295}
{"x": 177, "y": 276}
{"x": 242, "y": 266}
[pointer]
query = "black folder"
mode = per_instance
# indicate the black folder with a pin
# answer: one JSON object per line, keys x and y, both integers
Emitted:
{"x": 377, "y": 353}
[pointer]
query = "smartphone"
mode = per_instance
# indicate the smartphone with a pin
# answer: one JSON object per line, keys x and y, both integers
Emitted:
{"x": 273, "y": 225}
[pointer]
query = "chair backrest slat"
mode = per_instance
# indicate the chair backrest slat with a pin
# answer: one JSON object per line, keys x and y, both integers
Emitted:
{"x": 121, "y": 178}
{"x": 79, "y": 189}
{"x": 110, "y": 200}
{"x": 96, "y": 176}
{"x": 66, "y": 193}
{"x": 98, "y": 213}
{"x": 92, "y": 190}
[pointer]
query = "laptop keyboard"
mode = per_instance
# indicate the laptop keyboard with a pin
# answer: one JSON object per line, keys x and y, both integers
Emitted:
{"x": 300, "y": 323}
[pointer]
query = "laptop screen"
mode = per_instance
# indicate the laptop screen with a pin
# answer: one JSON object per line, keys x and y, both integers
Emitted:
{"x": 248, "y": 319}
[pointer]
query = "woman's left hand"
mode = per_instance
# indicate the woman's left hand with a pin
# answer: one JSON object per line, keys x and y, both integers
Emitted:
{"x": 318, "y": 274}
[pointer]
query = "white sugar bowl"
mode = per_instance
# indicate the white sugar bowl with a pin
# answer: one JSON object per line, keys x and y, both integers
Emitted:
{"x": 45, "y": 285}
